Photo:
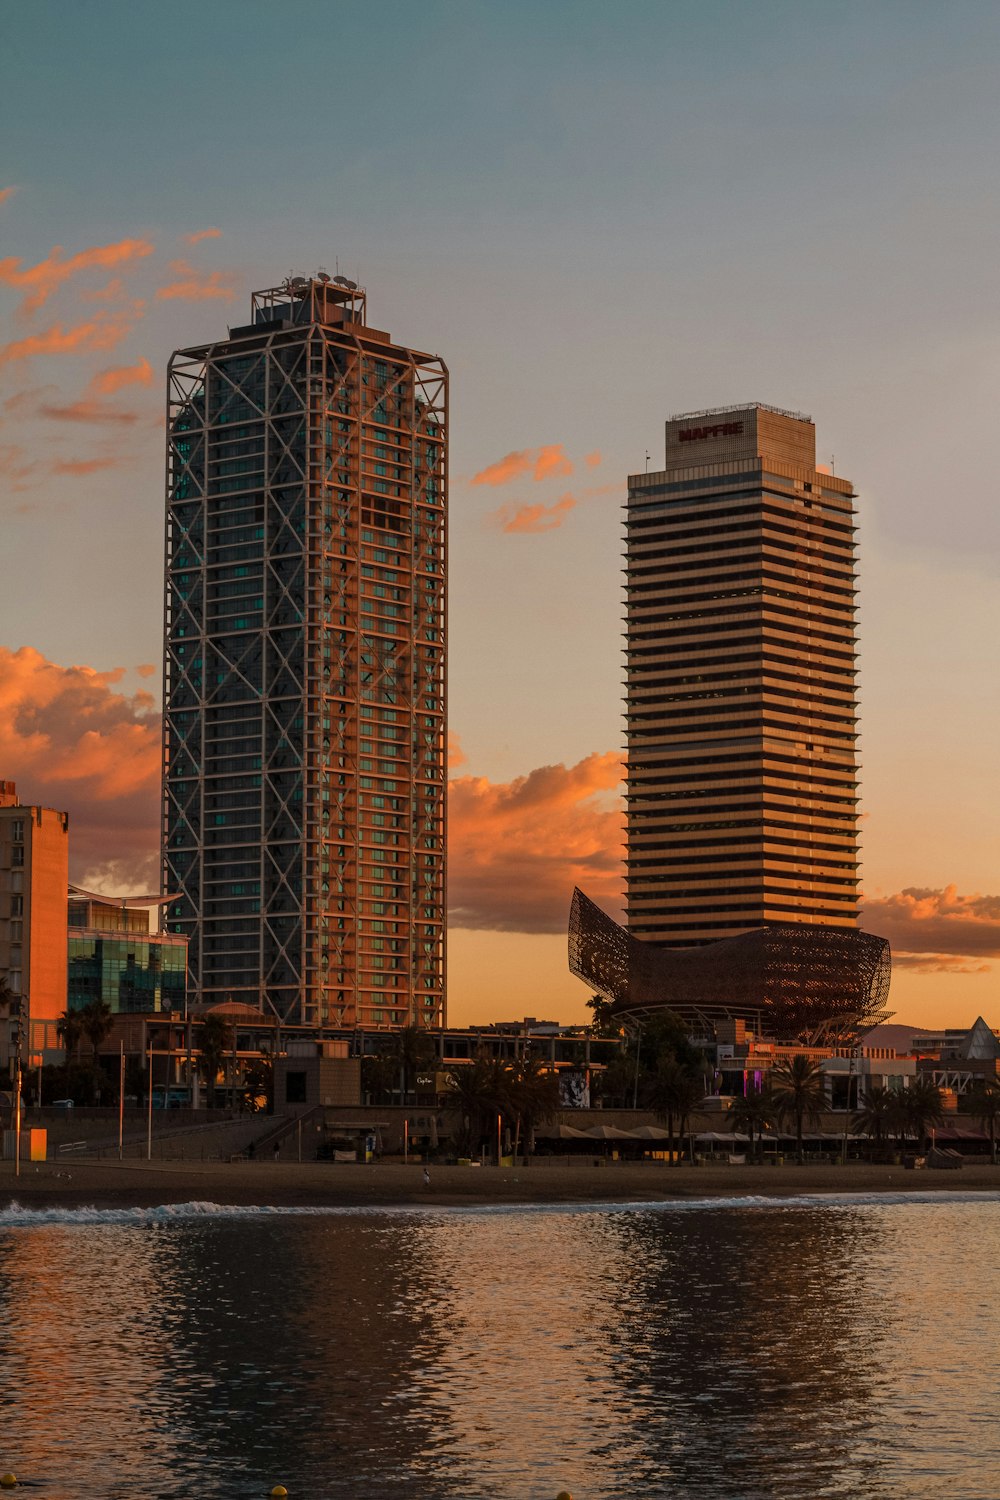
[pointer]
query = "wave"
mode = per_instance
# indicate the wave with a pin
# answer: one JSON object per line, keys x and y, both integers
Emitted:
{"x": 17, "y": 1217}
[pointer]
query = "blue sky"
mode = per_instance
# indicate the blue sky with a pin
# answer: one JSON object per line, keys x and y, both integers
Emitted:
{"x": 598, "y": 215}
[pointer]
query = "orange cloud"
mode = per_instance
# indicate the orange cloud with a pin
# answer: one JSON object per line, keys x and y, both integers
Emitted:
{"x": 551, "y": 462}
{"x": 6, "y": 193}
{"x": 533, "y": 518}
{"x": 99, "y": 333}
{"x": 15, "y": 467}
{"x": 43, "y": 279}
{"x": 86, "y": 411}
{"x": 546, "y": 463}
{"x": 73, "y": 742}
{"x": 201, "y": 234}
{"x": 505, "y": 469}
{"x": 83, "y": 465}
{"x": 937, "y": 930}
{"x": 592, "y": 460}
{"x": 191, "y": 286}
{"x": 107, "y": 382}
{"x": 516, "y": 849}
{"x": 456, "y": 755}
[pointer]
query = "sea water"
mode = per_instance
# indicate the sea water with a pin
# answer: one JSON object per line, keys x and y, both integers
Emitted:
{"x": 739, "y": 1349}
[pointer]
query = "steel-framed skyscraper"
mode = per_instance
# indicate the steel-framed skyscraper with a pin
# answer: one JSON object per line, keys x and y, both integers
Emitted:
{"x": 741, "y": 706}
{"x": 305, "y": 637}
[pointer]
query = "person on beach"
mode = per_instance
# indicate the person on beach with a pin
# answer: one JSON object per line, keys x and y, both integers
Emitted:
{"x": 427, "y": 1178}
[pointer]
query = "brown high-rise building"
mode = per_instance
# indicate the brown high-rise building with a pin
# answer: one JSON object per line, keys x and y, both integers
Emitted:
{"x": 741, "y": 707}
{"x": 304, "y": 784}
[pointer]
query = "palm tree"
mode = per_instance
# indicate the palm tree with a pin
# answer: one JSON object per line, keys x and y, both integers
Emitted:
{"x": 982, "y": 1102}
{"x": 660, "y": 1094}
{"x": 877, "y": 1111}
{"x": 69, "y": 1029}
{"x": 797, "y": 1092}
{"x": 97, "y": 1023}
{"x": 897, "y": 1117}
{"x": 923, "y": 1107}
{"x": 532, "y": 1092}
{"x": 415, "y": 1052}
{"x": 215, "y": 1039}
{"x": 752, "y": 1113}
{"x": 477, "y": 1092}
{"x": 690, "y": 1095}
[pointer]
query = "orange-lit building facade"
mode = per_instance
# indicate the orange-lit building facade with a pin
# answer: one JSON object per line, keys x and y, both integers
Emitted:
{"x": 304, "y": 785}
{"x": 34, "y": 868}
{"x": 741, "y": 709}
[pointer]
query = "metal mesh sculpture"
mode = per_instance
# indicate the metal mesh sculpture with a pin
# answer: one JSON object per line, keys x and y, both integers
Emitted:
{"x": 789, "y": 981}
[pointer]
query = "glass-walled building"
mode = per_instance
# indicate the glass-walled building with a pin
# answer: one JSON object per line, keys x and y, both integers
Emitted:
{"x": 114, "y": 957}
{"x": 304, "y": 698}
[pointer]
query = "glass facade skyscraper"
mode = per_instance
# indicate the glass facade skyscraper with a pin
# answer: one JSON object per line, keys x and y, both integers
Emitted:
{"x": 741, "y": 662}
{"x": 305, "y": 722}
{"x": 114, "y": 957}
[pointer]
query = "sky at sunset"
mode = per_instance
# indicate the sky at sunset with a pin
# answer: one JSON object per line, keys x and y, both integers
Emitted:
{"x": 599, "y": 216}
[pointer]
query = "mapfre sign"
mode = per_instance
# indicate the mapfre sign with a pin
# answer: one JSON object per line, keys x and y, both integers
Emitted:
{"x": 699, "y": 434}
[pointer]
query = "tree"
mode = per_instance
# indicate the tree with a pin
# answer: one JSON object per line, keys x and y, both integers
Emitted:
{"x": 415, "y": 1052}
{"x": 923, "y": 1108}
{"x": 477, "y": 1092}
{"x": 662, "y": 1093}
{"x": 752, "y": 1113}
{"x": 215, "y": 1040}
{"x": 532, "y": 1095}
{"x": 605, "y": 1023}
{"x": 257, "y": 1089}
{"x": 69, "y": 1028}
{"x": 982, "y": 1102}
{"x": 97, "y": 1023}
{"x": 690, "y": 1095}
{"x": 797, "y": 1093}
{"x": 878, "y": 1110}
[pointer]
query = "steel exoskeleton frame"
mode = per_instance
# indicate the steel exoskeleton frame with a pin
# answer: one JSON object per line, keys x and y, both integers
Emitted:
{"x": 278, "y": 635}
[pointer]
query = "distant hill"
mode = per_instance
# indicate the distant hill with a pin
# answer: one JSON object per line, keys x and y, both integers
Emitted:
{"x": 895, "y": 1034}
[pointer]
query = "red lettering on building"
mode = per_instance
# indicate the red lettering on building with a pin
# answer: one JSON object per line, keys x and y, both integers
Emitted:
{"x": 721, "y": 429}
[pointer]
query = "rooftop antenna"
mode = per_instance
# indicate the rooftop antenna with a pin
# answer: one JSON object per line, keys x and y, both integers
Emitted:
{"x": 647, "y": 460}
{"x": 832, "y": 465}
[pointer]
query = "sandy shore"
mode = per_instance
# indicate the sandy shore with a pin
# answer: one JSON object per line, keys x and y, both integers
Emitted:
{"x": 149, "y": 1184}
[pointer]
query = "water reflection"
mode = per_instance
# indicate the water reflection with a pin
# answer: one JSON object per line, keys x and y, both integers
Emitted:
{"x": 716, "y": 1352}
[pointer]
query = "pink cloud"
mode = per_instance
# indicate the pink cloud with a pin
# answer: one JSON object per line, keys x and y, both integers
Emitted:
{"x": 7, "y": 192}
{"x": 72, "y": 741}
{"x": 41, "y": 280}
{"x": 592, "y": 460}
{"x": 146, "y": 669}
{"x": 532, "y": 519}
{"x": 937, "y": 930}
{"x": 201, "y": 234}
{"x": 193, "y": 286}
{"x": 517, "y": 849}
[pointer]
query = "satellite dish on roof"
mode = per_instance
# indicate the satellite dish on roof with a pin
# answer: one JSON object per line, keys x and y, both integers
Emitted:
{"x": 323, "y": 276}
{"x": 343, "y": 281}
{"x": 298, "y": 281}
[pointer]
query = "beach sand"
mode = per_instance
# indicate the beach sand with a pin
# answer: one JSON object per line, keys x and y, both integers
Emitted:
{"x": 140, "y": 1184}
